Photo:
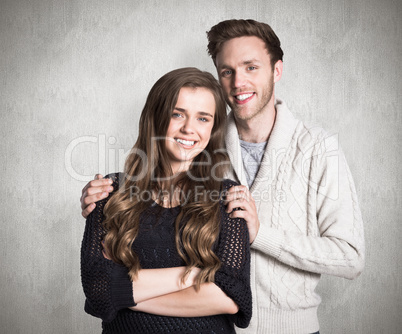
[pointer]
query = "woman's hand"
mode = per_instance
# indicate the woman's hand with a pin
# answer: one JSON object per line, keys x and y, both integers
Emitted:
{"x": 191, "y": 277}
{"x": 151, "y": 283}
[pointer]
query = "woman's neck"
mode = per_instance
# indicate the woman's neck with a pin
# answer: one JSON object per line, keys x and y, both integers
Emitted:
{"x": 179, "y": 167}
{"x": 168, "y": 198}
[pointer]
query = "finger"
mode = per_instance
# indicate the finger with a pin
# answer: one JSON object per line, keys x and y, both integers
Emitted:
{"x": 235, "y": 197}
{"x": 237, "y": 204}
{"x": 235, "y": 193}
{"x": 105, "y": 255}
{"x": 96, "y": 177}
{"x": 85, "y": 213}
{"x": 240, "y": 214}
{"x": 97, "y": 183}
{"x": 85, "y": 188}
{"x": 98, "y": 189}
{"x": 244, "y": 196}
{"x": 94, "y": 187}
{"x": 237, "y": 189}
{"x": 87, "y": 200}
{"x": 100, "y": 182}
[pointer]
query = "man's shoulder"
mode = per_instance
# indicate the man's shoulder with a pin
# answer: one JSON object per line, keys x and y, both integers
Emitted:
{"x": 309, "y": 135}
{"x": 312, "y": 139}
{"x": 312, "y": 130}
{"x": 304, "y": 127}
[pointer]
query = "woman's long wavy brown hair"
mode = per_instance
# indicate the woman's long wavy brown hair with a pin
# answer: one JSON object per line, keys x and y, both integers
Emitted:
{"x": 147, "y": 169}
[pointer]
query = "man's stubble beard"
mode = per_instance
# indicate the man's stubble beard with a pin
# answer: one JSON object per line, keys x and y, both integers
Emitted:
{"x": 266, "y": 97}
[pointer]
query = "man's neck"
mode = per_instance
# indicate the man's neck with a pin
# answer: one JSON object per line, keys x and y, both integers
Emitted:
{"x": 259, "y": 128}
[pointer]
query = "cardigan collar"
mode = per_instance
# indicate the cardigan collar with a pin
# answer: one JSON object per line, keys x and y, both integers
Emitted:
{"x": 278, "y": 144}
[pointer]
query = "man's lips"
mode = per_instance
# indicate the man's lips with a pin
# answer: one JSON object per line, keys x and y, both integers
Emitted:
{"x": 243, "y": 98}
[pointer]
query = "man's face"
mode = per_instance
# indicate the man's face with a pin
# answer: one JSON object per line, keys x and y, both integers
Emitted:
{"x": 246, "y": 75}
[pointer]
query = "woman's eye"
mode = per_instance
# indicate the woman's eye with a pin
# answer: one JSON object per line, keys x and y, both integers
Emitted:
{"x": 176, "y": 115}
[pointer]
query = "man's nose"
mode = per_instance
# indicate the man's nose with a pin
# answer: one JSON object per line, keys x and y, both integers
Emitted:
{"x": 239, "y": 80}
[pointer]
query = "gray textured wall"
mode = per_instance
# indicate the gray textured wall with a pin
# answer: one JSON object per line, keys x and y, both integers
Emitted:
{"x": 73, "y": 79}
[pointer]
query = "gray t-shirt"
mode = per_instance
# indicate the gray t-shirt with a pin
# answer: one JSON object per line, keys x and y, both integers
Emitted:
{"x": 252, "y": 154}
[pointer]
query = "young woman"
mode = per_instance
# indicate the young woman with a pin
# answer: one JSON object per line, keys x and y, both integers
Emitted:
{"x": 161, "y": 255}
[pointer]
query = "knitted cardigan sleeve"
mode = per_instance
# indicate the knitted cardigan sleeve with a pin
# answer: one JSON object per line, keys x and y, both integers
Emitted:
{"x": 106, "y": 285}
{"x": 234, "y": 252}
{"x": 334, "y": 240}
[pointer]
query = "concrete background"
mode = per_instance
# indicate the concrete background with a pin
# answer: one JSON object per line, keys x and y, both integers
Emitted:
{"x": 74, "y": 75}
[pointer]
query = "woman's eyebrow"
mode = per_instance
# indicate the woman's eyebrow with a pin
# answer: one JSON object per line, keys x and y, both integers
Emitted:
{"x": 203, "y": 113}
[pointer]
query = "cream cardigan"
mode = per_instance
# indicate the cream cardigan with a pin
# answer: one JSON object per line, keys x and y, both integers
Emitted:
{"x": 310, "y": 223}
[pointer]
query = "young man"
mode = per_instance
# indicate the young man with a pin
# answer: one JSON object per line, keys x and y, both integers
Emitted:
{"x": 297, "y": 193}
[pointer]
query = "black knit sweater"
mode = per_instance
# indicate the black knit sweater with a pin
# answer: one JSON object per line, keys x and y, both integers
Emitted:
{"x": 109, "y": 291}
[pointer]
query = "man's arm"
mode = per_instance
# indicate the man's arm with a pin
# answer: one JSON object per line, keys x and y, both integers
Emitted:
{"x": 339, "y": 248}
{"x": 94, "y": 191}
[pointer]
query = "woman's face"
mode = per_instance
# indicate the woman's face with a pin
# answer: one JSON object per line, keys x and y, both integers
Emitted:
{"x": 190, "y": 126}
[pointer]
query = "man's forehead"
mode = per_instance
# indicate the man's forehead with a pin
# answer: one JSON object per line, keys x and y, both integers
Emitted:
{"x": 242, "y": 51}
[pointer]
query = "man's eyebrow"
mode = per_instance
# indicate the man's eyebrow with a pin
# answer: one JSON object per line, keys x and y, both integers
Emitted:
{"x": 251, "y": 61}
{"x": 244, "y": 62}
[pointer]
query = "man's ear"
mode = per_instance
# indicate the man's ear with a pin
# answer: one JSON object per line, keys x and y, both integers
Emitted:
{"x": 278, "y": 68}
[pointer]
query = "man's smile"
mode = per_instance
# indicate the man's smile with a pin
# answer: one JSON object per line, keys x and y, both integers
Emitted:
{"x": 243, "y": 98}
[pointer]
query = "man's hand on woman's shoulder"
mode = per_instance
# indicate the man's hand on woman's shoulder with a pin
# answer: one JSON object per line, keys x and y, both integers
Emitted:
{"x": 95, "y": 190}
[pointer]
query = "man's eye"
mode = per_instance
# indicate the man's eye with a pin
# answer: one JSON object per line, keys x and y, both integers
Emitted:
{"x": 226, "y": 73}
{"x": 250, "y": 68}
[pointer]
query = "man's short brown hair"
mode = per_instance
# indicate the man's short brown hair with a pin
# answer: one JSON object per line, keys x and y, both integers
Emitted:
{"x": 226, "y": 30}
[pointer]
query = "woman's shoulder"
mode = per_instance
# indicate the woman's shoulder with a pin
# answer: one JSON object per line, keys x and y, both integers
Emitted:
{"x": 231, "y": 227}
{"x": 117, "y": 179}
{"x": 228, "y": 183}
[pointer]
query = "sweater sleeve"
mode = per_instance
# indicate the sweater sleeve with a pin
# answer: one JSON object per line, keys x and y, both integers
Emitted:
{"x": 234, "y": 252}
{"x": 107, "y": 285}
{"x": 337, "y": 248}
